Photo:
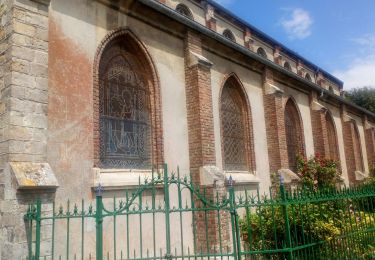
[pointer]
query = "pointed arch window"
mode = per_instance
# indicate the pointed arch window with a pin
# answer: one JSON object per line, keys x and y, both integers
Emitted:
{"x": 293, "y": 132}
{"x": 357, "y": 148}
{"x": 332, "y": 138}
{"x": 128, "y": 99}
{"x": 237, "y": 144}
{"x": 308, "y": 77}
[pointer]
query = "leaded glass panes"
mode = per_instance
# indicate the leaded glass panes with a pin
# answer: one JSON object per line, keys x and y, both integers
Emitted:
{"x": 125, "y": 130}
{"x": 262, "y": 52}
{"x": 184, "y": 10}
{"x": 229, "y": 35}
{"x": 357, "y": 148}
{"x": 331, "y": 135}
{"x": 233, "y": 129}
{"x": 293, "y": 134}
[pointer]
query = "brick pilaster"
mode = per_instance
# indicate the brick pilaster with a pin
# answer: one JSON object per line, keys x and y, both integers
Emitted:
{"x": 199, "y": 107}
{"x": 275, "y": 125}
{"x": 319, "y": 126}
{"x": 210, "y": 17}
{"x": 201, "y": 141}
{"x": 249, "y": 42}
{"x": 277, "y": 55}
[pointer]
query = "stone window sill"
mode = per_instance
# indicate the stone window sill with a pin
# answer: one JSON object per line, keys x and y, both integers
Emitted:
{"x": 242, "y": 177}
{"x": 119, "y": 179}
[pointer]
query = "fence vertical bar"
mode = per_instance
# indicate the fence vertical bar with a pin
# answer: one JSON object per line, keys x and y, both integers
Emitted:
{"x": 233, "y": 217}
{"x": 37, "y": 227}
{"x": 99, "y": 223}
{"x": 167, "y": 212}
{"x": 286, "y": 219}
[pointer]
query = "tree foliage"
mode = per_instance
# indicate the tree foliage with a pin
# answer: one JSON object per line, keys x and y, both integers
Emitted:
{"x": 364, "y": 97}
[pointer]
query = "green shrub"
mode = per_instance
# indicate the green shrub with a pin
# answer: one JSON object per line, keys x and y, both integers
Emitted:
{"x": 326, "y": 222}
{"x": 318, "y": 172}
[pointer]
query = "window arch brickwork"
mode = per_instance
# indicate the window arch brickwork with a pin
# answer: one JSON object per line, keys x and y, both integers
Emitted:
{"x": 127, "y": 114}
{"x": 353, "y": 150}
{"x": 262, "y": 52}
{"x": 357, "y": 148}
{"x": 185, "y": 11}
{"x": 332, "y": 148}
{"x": 229, "y": 35}
{"x": 324, "y": 133}
{"x": 287, "y": 66}
{"x": 293, "y": 133}
{"x": 370, "y": 146}
{"x": 236, "y": 128}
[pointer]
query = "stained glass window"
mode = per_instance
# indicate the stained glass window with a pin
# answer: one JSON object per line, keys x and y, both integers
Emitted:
{"x": 125, "y": 129}
{"x": 233, "y": 129}
{"x": 293, "y": 134}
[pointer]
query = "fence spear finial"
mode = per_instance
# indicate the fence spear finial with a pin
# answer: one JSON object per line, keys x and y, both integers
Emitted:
{"x": 99, "y": 190}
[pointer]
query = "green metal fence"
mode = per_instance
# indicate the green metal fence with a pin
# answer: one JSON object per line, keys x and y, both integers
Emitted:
{"x": 168, "y": 217}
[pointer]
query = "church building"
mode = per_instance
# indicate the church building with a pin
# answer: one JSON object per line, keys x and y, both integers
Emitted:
{"x": 105, "y": 92}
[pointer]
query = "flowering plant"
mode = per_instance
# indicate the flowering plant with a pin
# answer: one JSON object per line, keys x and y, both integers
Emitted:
{"x": 318, "y": 172}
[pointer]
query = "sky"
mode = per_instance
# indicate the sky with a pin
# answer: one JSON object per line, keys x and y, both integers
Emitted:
{"x": 336, "y": 35}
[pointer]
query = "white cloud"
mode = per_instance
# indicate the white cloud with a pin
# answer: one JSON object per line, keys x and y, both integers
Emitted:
{"x": 361, "y": 71}
{"x": 297, "y": 23}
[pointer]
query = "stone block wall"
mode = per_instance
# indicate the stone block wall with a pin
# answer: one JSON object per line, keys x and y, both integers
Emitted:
{"x": 23, "y": 113}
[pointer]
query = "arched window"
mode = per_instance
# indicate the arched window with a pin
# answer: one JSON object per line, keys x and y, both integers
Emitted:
{"x": 185, "y": 11}
{"x": 127, "y": 103}
{"x": 293, "y": 132}
{"x": 229, "y": 35}
{"x": 287, "y": 66}
{"x": 330, "y": 89}
{"x": 237, "y": 144}
{"x": 332, "y": 139}
{"x": 262, "y": 52}
{"x": 357, "y": 148}
{"x": 308, "y": 77}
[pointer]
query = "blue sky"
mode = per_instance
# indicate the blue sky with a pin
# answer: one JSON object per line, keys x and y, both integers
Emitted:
{"x": 336, "y": 35}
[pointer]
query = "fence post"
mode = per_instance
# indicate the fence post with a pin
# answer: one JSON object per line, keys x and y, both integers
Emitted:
{"x": 167, "y": 212}
{"x": 99, "y": 223}
{"x": 286, "y": 219}
{"x": 234, "y": 221}
{"x": 37, "y": 227}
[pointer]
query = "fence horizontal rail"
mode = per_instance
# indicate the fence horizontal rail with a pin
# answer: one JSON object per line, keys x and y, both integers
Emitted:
{"x": 169, "y": 217}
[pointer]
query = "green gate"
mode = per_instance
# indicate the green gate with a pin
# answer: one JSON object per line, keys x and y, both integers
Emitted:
{"x": 169, "y": 217}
